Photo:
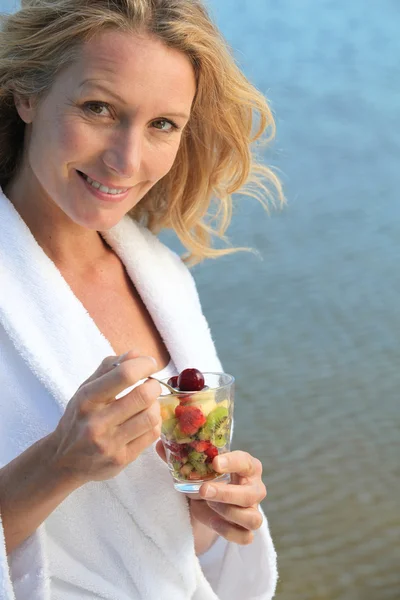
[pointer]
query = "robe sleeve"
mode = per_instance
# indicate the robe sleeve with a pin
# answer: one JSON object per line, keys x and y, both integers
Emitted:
{"x": 22, "y": 573}
{"x": 236, "y": 572}
{"x": 6, "y": 590}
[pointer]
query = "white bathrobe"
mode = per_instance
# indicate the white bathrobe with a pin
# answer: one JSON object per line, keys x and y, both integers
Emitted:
{"x": 135, "y": 527}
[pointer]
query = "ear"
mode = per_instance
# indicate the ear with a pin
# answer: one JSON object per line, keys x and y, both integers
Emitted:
{"x": 25, "y": 107}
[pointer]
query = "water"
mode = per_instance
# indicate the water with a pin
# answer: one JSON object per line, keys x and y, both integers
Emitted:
{"x": 311, "y": 331}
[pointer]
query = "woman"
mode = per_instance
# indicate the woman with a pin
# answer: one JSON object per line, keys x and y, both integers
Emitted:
{"x": 120, "y": 118}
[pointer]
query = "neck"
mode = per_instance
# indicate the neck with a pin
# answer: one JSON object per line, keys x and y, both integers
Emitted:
{"x": 66, "y": 243}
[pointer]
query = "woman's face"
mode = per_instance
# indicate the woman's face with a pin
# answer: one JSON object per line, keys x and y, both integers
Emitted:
{"x": 113, "y": 118}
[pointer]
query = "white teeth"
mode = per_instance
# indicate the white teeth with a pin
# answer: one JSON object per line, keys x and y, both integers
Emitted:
{"x": 104, "y": 188}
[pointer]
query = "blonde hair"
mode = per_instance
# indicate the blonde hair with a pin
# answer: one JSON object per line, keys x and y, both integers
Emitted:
{"x": 215, "y": 158}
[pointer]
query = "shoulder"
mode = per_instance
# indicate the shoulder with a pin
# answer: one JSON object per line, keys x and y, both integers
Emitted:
{"x": 135, "y": 241}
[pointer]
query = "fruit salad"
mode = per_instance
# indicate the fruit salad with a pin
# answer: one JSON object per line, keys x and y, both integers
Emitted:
{"x": 196, "y": 427}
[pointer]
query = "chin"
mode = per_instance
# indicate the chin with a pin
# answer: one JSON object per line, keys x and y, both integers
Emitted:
{"x": 100, "y": 221}
{"x": 104, "y": 224}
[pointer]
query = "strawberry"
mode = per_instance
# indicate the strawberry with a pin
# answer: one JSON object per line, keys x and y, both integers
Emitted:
{"x": 200, "y": 446}
{"x": 190, "y": 418}
{"x": 178, "y": 411}
{"x": 211, "y": 452}
{"x": 177, "y": 449}
{"x": 185, "y": 399}
{"x": 196, "y": 475}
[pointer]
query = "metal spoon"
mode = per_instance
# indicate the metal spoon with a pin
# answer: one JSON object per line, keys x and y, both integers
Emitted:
{"x": 169, "y": 387}
{"x": 174, "y": 390}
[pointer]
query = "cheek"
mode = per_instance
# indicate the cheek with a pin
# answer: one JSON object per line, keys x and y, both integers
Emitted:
{"x": 72, "y": 139}
{"x": 161, "y": 161}
{"x": 56, "y": 143}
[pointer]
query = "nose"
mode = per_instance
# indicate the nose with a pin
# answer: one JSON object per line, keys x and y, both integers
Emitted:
{"x": 124, "y": 153}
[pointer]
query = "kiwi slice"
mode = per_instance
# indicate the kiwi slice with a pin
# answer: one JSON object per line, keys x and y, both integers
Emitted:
{"x": 216, "y": 427}
{"x": 197, "y": 457}
{"x": 176, "y": 465}
{"x": 220, "y": 439}
{"x": 200, "y": 468}
{"x": 168, "y": 427}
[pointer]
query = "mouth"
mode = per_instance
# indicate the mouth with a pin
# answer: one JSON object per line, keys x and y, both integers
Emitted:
{"x": 97, "y": 185}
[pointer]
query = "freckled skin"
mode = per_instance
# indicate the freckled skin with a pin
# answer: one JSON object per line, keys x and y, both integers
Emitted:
{"x": 129, "y": 142}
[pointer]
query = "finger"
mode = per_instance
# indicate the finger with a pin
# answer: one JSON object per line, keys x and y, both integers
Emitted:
{"x": 248, "y": 518}
{"x": 141, "y": 423}
{"x": 133, "y": 353}
{"x": 201, "y": 511}
{"x": 139, "y": 399}
{"x": 109, "y": 363}
{"x": 161, "y": 451}
{"x": 107, "y": 386}
{"x": 239, "y": 462}
{"x": 135, "y": 448}
{"x": 231, "y": 532}
{"x": 240, "y": 495}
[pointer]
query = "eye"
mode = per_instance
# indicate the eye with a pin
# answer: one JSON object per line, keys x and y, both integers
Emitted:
{"x": 98, "y": 108}
{"x": 165, "y": 125}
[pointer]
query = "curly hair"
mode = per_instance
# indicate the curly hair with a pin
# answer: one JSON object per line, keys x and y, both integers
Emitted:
{"x": 216, "y": 157}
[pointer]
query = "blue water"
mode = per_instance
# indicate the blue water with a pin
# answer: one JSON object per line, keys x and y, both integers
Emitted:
{"x": 311, "y": 330}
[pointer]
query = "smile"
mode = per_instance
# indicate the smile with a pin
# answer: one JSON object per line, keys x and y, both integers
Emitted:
{"x": 103, "y": 188}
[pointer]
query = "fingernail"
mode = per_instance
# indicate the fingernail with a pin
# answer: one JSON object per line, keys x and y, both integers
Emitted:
{"x": 222, "y": 462}
{"x": 118, "y": 360}
{"x": 211, "y": 492}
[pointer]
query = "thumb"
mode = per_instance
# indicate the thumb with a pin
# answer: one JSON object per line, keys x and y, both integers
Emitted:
{"x": 161, "y": 451}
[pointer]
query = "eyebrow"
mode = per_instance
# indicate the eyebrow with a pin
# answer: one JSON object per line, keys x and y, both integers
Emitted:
{"x": 105, "y": 89}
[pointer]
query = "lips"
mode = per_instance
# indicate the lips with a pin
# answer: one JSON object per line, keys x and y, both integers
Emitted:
{"x": 110, "y": 189}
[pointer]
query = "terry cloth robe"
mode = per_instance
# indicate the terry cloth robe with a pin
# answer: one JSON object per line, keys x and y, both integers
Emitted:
{"x": 49, "y": 345}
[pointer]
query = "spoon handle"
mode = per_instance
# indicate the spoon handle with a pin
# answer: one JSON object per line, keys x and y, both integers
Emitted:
{"x": 169, "y": 387}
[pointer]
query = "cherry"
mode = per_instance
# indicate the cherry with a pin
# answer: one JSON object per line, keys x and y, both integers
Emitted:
{"x": 191, "y": 380}
{"x": 173, "y": 381}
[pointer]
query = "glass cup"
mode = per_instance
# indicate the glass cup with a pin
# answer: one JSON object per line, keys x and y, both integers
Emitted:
{"x": 196, "y": 427}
